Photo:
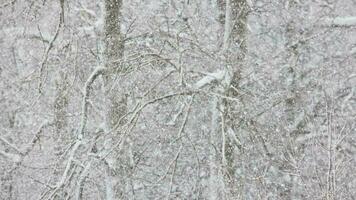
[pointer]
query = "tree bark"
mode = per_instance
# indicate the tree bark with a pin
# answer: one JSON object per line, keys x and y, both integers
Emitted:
{"x": 233, "y": 18}
{"x": 60, "y": 106}
{"x": 115, "y": 99}
{"x": 295, "y": 127}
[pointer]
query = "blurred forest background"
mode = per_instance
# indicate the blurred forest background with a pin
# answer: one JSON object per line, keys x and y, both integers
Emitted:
{"x": 178, "y": 99}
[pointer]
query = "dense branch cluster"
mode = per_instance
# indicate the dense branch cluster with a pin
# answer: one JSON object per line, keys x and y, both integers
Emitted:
{"x": 156, "y": 99}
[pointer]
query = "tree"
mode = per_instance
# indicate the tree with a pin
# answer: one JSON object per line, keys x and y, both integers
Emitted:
{"x": 234, "y": 48}
{"x": 115, "y": 99}
{"x": 156, "y": 99}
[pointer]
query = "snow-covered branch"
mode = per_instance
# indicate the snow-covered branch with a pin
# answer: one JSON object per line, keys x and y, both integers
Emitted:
{"x": 50, "y": 46}
{"x": 217, "y": 75}
{"x": 98, "y": 71}
{"x": 19, "y": 156}
{"x": 340, "y": 21}
{"x": 11, "y": 145}
{"x": 11, "y": 156}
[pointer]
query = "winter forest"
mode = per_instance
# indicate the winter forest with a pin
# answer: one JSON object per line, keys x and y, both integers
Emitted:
{"x": 177, "y": 99}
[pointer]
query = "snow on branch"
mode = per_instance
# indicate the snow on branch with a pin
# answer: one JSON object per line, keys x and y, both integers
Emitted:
{"x": 84, "y": 117}
{"x": 98, "y": 71}
{"x": 11, "y": 145}
{"x": 11, "y": 156}
{"x": 87, "y": 87}
{"x": 340, "y": 21}
{"x": 49, "y": 48}
{"x": 217, "y": 75}
{"x": 353, "y": 51}
{"x": 19, "y": 156}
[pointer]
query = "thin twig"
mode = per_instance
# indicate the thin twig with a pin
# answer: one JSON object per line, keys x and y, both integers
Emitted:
{"x": 50, "y": 46}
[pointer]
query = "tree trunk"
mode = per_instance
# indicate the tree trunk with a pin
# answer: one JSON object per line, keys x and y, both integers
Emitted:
{"x": 233, "y": 18}
{"x": 295, "y": 124}
{"x": 115, "y": 99}
{"x": 60, "y": 107}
